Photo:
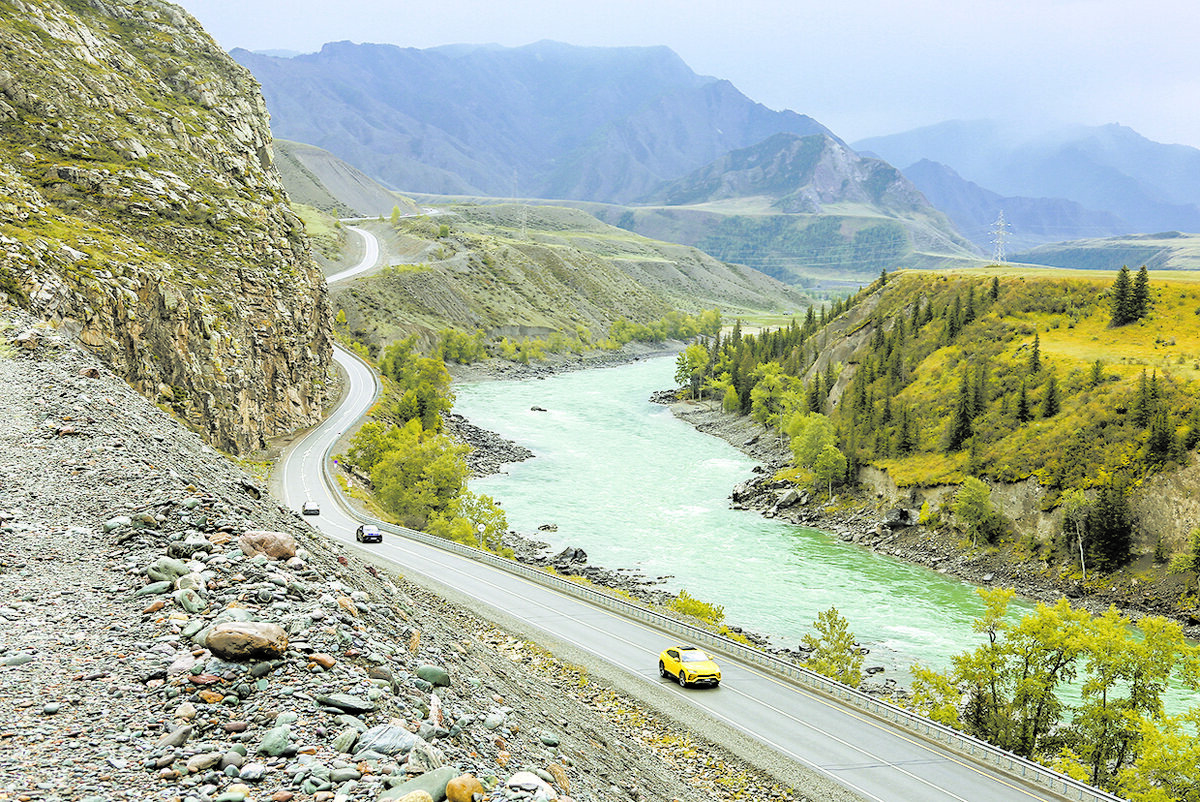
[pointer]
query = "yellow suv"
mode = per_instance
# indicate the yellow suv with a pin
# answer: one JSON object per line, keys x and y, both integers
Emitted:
{"x": 689, "y": 666}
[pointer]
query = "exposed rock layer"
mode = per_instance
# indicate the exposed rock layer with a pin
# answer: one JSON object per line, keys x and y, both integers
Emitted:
{"x": 141, "y": 214}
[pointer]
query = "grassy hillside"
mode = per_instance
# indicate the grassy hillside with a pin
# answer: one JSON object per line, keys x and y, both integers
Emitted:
{"x": 516, "y": 271}
{"x": 846, "y": 241}
{"x": 1015, "y": 377}
{"x": 1168, "y": 250}
{"x": 1097, "y": 371}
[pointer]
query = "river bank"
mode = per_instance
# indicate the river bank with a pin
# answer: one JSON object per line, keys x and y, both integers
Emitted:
{"x": 875, "y": 522}
{"x": 174, "y": 632}
{"x": 867, "y": 520}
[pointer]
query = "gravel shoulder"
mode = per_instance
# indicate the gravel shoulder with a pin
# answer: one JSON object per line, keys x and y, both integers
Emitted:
{"x": 126, "y": 568}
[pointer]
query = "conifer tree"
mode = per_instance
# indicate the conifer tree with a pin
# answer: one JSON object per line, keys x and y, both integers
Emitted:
{"x": 1050, "y": 402}
{"x": 980, "y": 398}
{"x": 1193, "y": 435}
{"x": 1161, "y": 442}
{"x": 1035, "y": 355}
{"x": 960, "y": 423}
{"x": 954, "y": 319}
{"x": 994, "y": 290}
{"x": 1143, "y": 405}
{"x": 1023, "y": 414}
{"x": 1110, "y": 526}
{"x": 906, "y": 434}
{"x": 1140, "y": 300}
{"x": 1122, "y": 301}
{"x": 1097, "y": 373}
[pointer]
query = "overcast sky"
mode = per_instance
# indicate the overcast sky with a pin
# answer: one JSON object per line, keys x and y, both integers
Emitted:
{"x": 860, "y": 67}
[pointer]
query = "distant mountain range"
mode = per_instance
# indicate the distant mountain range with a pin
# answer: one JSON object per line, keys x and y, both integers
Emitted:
{"x": 1079, "y": 182}
{"x": 637, "y": 127}
{"x": 547, "y": 120}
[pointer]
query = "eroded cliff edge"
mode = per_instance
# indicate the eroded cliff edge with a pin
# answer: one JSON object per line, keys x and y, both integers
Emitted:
{"x": 142, "y": 216}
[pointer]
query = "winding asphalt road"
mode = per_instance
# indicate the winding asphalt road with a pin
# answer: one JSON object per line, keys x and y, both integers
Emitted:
{"x": 848, "y": 754}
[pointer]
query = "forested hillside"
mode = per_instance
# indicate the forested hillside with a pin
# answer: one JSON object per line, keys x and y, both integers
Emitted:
{"x": 1087, "y": 386}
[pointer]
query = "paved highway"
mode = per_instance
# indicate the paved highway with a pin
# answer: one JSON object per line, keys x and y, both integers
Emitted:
{"x": 866, "y": 757}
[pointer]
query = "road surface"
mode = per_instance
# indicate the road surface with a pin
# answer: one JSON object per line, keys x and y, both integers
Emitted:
{"x": 846, "y": 749}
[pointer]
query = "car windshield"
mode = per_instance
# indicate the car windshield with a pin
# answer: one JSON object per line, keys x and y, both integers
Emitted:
{"x": 693, "y": 657}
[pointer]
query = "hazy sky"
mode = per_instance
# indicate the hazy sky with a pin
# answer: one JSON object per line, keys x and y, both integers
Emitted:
{"x": 860, "y": 67}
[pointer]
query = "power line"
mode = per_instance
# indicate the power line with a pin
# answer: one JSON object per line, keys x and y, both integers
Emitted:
{"x": 999, "y": 233}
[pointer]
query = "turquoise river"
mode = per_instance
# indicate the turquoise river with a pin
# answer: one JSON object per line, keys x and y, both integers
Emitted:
{"x": 636, "y": 488}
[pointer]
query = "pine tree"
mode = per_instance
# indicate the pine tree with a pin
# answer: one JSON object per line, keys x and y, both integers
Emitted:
{"x": 960, "y": 424}
{"x": 1050, "y": 403}
{"x": 1110, "y": 526}
{"x": 1097, "y": 373}
{"x": 1140, "y": 296}
{"x": 815, "y": 395}
{"x": 1122, "y": 301}
{"x": 1161, "y": 442}
{"x": 994, "y": 291}
{"x": 906, "y": 434}
{"x": 980, "y": 399}
{"x": 1023, "y": 413}
{"x": 810, "y": 322}
{"x": 1035, "y": 355}
{"x": 1143, "y": 405}
{"x": 954, "y": 319}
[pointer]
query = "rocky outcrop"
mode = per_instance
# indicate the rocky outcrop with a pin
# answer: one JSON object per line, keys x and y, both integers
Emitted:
{"x": 141, "y": 215}
{"x": 123, "y": 675}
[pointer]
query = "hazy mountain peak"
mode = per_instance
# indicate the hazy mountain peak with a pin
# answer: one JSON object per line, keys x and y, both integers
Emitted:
{"x": 1108, "y": 179}
{"x": 800, "y": 174}
{"x": 547, "y": 119}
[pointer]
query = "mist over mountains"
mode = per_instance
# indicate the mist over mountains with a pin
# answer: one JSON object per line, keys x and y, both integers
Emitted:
{"x": 546, "y": 120}
{"x": 637, "y": 126}
{"x": 1065, "y": 184}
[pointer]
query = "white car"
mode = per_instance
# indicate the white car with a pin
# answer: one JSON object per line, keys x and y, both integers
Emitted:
{"x": 311, "y": 508}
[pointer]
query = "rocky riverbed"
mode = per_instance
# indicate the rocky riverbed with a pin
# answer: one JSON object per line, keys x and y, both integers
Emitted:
{"x": 171, "y": 632}
{"x": 894, "y": 530}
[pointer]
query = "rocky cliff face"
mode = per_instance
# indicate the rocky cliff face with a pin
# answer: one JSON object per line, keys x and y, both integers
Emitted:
{"x": 141, "y": 215}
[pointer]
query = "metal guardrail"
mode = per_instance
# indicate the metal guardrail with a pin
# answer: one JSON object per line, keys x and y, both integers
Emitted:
{"x": 967, "y": 745}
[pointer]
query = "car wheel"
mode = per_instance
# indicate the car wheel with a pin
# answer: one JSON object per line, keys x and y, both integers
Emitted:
{"x": 662, "y": 670}
{"x": 682, "y": 679}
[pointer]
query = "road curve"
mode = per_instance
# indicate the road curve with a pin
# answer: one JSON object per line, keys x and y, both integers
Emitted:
{"x": 846, "y": 749}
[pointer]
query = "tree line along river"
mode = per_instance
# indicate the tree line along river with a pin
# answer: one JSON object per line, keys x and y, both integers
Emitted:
{"x": 623, "y": 479}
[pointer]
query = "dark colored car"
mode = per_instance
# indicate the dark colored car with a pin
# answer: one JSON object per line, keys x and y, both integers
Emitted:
{"x": 368, "y": 533}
